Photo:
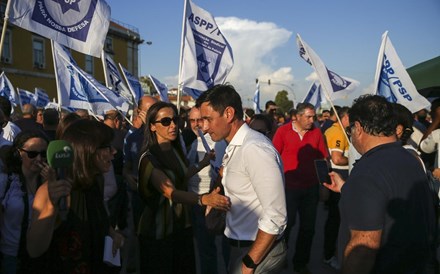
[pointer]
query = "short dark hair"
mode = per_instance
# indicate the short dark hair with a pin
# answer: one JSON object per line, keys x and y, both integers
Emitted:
{"x": 219, "y": 97}
{"x": 375, "y": 114}
{"x": 342, "y": 111}
{"x": 51, "y": 117}
{"x": 270, "y": 103}
{"x": 301, "y": 107}
{"x": 404, "y": 118}
{"x": 332, "y": 110}
{"x": 5, "y": 106}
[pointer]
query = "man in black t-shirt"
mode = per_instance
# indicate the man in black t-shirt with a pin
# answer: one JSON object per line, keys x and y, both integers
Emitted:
{"x": 386, "y": 206}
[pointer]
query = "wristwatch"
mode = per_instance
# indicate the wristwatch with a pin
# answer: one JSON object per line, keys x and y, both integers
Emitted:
{"x": 199, "y": 201}
{"x": 248, "y": 262}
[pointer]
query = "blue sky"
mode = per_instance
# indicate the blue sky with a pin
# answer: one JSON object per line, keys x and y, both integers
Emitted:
{"x": 345, "y": 34}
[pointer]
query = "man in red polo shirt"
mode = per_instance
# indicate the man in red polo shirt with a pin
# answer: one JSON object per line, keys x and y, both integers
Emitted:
{"x": 299, "y": 144}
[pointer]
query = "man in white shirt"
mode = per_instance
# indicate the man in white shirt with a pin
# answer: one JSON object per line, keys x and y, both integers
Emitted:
{"x": 200, "y": 184}
{"x": 253, "y": 180}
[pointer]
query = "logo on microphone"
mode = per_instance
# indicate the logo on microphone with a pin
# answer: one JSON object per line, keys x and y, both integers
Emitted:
{"x": 65, "y": 154}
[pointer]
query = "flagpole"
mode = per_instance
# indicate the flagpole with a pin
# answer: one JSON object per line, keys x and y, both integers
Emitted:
{"x": 135, "y": 103}
{"x": 104, "y": 66}
{"x": 5, "y": 25}
{"x": 56, "y": 77}
{"x": 180, "y": 84}
{"x": 380, "y": 61}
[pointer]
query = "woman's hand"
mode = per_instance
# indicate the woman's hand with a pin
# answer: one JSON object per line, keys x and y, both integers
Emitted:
{"x": 56, "y": 188}
{"x": 118, "y": 240}
{"x": 216, "y": 200}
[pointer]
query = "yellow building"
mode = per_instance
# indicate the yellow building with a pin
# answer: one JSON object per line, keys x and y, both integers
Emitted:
{"x": 27, "y": 57}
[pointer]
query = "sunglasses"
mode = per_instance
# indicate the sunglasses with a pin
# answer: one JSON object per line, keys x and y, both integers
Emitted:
{"x": 32, "y": 154}
{"x": 166, "y": 121}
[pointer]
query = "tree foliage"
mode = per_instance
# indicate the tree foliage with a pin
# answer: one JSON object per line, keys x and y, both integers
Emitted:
{"x": 283, "y": 102}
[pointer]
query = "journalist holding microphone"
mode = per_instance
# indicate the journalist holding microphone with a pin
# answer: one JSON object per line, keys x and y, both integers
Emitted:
{"x": 72, "y": 239}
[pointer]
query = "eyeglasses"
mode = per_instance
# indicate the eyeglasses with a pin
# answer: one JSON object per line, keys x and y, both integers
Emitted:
{"x": 32, "y": 154}
{"x": 166, "y": 121}
{"x": 196, "y": 120}
{"x": 348, "y": 129}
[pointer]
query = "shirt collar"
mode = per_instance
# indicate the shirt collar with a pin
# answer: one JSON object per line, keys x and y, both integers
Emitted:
{"x": 239, "y": 136}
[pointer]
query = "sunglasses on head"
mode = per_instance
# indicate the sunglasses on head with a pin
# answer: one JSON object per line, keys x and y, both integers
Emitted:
{"x": 32, "y": 154}
{"x": 166, "y": 121}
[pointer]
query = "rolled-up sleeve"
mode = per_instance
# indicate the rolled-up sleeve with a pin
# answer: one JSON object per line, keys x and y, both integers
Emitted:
{"x": 264, "y": 167}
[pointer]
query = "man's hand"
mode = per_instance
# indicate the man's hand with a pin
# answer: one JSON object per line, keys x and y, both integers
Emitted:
{"x": 336, "y": 182}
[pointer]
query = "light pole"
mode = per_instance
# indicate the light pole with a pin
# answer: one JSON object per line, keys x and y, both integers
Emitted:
{"x": 148, "y": 43}
{"x": 283, "y": 85}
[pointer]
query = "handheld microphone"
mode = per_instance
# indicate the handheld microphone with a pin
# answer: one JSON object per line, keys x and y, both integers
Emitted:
{"x": 60, "y": 157}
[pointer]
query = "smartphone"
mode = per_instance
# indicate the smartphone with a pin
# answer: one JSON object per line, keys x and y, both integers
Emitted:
{"x": 322, "y": 170}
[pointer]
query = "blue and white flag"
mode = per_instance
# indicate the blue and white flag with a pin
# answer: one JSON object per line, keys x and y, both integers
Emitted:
{"x": 314, "y": 96}
{"x": 41, "y": 98}
{"x": 256, "y": 99}
{"x": 113, "y": 79}
{"x": 133, "y": 84}
{"x": 161, "y": 88}
{"x": 392, "y": 79}
{"x": 26, "y": 97}
{"x": 206, "y": 57}
{"x": 334, "y": 85}
{"x": 78, "y": 24}
{"x": 80, "y": 90}
{"x": 7, "y": 90}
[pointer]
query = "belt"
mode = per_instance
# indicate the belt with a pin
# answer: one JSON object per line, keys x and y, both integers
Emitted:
{"x": 244, "y": 243}
{"x": 238, "y": 243}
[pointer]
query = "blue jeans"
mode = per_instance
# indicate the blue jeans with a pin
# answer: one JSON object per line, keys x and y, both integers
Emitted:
{"x": 305, "y": 202}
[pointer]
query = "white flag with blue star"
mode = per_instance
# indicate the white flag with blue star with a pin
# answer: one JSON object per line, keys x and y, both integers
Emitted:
{"x": 161, "y": 88}
{"x": 314, "y": 96}
{"x": 206, "y": 57}
{"x": 78, "y": 24}
{"x": 392, "y": 79}
{"x": 133, "y": 84}
{"x": 7, "y": 90}
{"x": 256, "y": 99}
{"x": 80, "y": 90}
{"x": 41, "y": 98}
{"x": 333, "y": 84}
{"x": 113, "y": 78}
{"x": 26, "y": 97}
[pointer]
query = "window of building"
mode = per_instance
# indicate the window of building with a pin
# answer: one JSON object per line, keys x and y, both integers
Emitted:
{"x": 89, "y": 64}
{"x": 7, "y": 48}
{"x": 109, "y": 45}
{"x": 38, "y": 52}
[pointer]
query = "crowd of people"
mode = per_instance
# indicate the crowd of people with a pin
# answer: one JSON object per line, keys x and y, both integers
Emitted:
{"x": 151, "y": 184}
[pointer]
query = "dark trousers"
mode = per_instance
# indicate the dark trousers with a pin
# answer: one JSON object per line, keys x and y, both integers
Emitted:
{"x": 174, "y": 254}
{"x": 305, "y": 202}
{"x": 331, "y": 228}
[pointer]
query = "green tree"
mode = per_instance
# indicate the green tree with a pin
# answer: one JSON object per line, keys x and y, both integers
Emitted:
{"x": 283, "y": 102}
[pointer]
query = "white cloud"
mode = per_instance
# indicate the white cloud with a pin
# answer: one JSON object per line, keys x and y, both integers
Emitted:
{"x": 253, "y": 45}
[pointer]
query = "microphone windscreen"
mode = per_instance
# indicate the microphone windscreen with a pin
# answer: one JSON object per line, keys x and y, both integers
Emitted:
{"x": 59, "y": 154}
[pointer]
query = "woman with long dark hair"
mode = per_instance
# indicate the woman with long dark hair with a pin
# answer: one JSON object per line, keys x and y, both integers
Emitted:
{"x": 74, "y": 238}
{"x": 165, "y": 232}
